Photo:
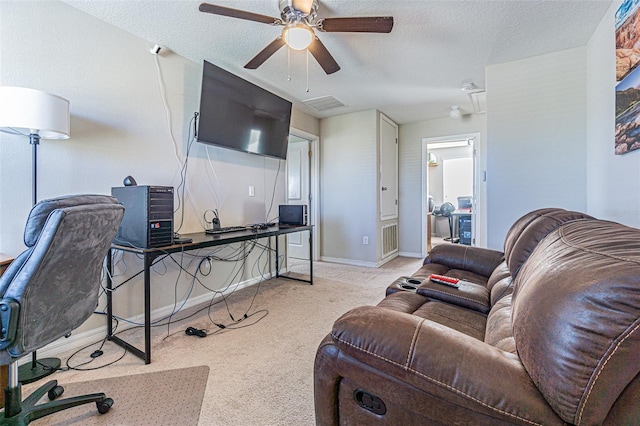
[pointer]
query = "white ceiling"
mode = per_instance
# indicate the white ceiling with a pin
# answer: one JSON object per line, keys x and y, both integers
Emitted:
{"x": 414, "y": 73}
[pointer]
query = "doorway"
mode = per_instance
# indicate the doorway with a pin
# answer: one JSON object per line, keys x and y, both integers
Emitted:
{"x": 450, "y": 175}
{"x": 301, "y": 186}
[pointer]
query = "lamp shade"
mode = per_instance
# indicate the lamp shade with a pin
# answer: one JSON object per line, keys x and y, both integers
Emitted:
{"x": 29, "y": 111}
{"x": 297, "y": 36}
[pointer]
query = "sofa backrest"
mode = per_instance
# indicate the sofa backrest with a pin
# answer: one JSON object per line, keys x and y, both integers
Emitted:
{"x": 525, "y": 234}
{"x": 576, "y": 317}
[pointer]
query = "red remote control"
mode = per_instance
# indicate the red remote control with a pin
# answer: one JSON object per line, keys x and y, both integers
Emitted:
{"x": 442, "y": 279}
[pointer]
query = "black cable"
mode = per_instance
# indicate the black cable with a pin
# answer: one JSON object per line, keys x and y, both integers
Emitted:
{"x": 273, "y": 192}
{"x": 183, "y": 175}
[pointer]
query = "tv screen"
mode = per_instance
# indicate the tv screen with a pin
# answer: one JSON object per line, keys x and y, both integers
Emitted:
{"x": 237, "y": 114}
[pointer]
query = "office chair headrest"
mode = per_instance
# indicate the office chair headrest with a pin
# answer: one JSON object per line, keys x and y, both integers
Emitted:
{"x": 446, "y": 209}
{"x": 40, "y": 212}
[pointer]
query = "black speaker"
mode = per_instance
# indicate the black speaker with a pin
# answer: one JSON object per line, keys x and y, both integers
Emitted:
{"x": 290, "y": 214}
{"x": 148, "y": 215}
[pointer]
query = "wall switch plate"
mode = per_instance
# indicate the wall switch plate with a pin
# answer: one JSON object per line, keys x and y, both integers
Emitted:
{"x": 365, "y": 240}
{"x": 252, "y": 191}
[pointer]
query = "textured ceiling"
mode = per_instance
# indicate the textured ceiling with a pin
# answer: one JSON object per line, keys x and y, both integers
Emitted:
{"x": 414, "y": 73}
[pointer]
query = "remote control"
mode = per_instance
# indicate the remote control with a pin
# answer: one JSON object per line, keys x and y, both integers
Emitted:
{"x": 442, "y": 279}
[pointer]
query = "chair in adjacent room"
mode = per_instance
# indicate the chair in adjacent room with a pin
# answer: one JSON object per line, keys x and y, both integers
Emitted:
{"x": 447, "y": 210}
{"x": 51, "y": 289}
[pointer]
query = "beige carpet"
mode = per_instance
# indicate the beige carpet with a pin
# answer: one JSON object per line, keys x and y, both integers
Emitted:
{"x": 172, "y": 397}
{"x": 261, "y": 371}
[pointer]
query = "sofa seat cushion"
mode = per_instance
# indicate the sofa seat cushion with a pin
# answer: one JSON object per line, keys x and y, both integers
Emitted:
{"x": 469, "y": 322}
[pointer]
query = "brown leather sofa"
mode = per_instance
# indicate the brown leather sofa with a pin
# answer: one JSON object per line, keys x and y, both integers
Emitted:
{"x": 546, "y": 333}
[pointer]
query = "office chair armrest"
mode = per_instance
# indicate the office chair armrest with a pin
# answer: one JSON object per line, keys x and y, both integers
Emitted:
{"x": 8, "y": 321}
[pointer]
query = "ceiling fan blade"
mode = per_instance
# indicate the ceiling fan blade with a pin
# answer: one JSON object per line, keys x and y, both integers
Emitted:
{"x": 322, "y": 55}
{"x": 376, "y": 24}
{"x": 265, "y": 54}
{"x": 240, "y": 14}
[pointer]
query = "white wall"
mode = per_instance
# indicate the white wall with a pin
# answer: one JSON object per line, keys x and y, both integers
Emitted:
{"x": 348, "y": 187}
{"x": 119, "y": 128}
{"x": 536, "y": 138}
{"x": 612, "y": 180}
{"x": 410, "y": 175}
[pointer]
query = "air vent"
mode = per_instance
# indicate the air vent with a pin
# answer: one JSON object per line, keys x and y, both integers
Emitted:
{"x": 479, "y": 100}
{"x": 323, "y": 103}
{"x": 389, "y": 239}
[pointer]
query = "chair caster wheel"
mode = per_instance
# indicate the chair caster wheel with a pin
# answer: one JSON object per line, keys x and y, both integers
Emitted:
{"x": 105, "y": 405}
{"x": 56, "y": 392}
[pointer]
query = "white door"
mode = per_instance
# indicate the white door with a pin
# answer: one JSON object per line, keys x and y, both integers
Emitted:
{"x": 457, "y": 179}
{"x": 298, "y": 190}
{"x": 388, "y": 169}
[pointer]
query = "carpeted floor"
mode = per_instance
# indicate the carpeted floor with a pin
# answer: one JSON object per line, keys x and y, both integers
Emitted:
{"x": 261, "y": 368}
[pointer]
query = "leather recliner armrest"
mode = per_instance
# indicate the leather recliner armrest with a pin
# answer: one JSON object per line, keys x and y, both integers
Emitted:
{"x": 478, "y": 260}
{"x": 443, "y": 362}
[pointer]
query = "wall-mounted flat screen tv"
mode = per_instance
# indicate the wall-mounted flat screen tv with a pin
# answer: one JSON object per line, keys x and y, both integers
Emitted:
{"x": 237, "y": 114}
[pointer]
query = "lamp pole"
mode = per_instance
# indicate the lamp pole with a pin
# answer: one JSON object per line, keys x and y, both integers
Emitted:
{"x": 34, "y": 140}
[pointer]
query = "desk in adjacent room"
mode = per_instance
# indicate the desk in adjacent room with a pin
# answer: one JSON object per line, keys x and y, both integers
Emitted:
{"x": 200, "y": 240}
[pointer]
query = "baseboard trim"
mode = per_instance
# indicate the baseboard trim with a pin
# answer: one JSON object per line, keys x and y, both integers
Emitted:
{"x": 80, "y": 340}
{"x": 349, "y": 262}
{"x": 410, "y": 254}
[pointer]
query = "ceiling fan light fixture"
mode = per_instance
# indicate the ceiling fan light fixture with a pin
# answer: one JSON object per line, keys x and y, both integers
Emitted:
{"x": 298, "y": 36}
{"x": 455, "y": 112}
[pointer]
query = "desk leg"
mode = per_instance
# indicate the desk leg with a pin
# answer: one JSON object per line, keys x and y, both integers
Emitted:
{"x": 147, "y": 308}
{"x": 109, "y": 295}
{"x": 146, "y": 355}
{"x": 311, "y": 256}
{"x": 277, "y": 257}
{"x": 428, "y": 233}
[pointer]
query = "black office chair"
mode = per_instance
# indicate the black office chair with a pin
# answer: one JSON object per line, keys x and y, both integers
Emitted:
{"x": 446, "y": 210}
{"x": 51, "y": 289}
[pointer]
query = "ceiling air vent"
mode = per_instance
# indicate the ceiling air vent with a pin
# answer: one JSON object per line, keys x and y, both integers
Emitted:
{"x": 479, "y": 100}
{"x": 323, "y": 103}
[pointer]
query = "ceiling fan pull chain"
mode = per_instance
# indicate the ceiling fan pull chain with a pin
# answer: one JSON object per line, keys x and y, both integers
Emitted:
{"x": 307, "y": 70}
{"x": 288, "y": 63}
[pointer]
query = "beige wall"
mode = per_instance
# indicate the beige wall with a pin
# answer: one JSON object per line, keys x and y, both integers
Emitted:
{"x": 348, "y": 167}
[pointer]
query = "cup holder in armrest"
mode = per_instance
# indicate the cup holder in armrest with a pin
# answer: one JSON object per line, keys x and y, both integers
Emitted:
{"x": 404, "y": 284}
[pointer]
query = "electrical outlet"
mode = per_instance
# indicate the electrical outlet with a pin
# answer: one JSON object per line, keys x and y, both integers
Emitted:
{"x": 252, "y": 191}
{"x": 365, "y": 240}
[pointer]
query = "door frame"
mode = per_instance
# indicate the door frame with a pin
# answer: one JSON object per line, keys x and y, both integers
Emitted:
{"x": 478, "y": 237}
{"x": 314, "y": 179}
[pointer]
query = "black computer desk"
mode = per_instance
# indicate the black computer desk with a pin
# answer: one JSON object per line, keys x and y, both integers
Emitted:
{"x": 200, "y": 240}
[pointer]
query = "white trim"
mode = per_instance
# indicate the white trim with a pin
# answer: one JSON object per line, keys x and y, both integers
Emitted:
{"x": 349, "y": 262}
{"x": 478, "y": 200}
{"x": 410, "y": 254}
{"x": 314, "y": 175}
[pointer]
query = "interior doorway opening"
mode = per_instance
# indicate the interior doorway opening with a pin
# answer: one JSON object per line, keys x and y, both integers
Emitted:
{"x": 302, "y": 182}
{"x": 450, "y": 196}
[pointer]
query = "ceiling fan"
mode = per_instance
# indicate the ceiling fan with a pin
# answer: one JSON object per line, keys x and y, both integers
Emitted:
{"x": 299, "y": 19}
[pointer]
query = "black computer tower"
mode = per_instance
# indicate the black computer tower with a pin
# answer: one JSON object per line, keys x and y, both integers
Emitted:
{"x": 148, "y": 215}
{"x": 464, "y": 230}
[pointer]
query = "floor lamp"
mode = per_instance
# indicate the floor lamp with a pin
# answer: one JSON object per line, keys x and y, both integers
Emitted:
{"x": 37, "y": 115}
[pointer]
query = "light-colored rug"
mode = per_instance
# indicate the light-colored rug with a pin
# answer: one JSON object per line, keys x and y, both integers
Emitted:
{"x": 170, "y": 397}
